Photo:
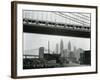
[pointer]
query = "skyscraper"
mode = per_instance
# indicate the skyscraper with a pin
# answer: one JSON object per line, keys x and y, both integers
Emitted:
{"x": 69, "y": 46}
{"x": 75, "y": 51}
{"x": 57, "y": 48}
{"x": 61, "y": 48}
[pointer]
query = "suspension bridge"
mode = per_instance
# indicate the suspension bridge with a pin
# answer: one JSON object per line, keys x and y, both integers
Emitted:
{"x": 33, "y": 53}
{"x": 57, "y": 23}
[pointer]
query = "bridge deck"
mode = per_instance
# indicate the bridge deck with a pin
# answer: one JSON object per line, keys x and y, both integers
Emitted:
{"x": 44, "y": 29}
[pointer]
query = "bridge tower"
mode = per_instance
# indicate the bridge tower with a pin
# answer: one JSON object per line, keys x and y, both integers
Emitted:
{"x": 41, "y": 52}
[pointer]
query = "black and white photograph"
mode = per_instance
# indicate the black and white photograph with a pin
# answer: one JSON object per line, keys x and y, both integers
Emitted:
{"x": 53, "y": 51}
{"x": 53, "y": 39}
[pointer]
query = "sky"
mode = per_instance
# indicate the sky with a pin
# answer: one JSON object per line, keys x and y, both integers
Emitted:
{"x": 34, "y": 41}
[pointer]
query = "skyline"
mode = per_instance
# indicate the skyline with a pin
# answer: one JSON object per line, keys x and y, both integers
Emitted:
{"x": 33, "y": 41}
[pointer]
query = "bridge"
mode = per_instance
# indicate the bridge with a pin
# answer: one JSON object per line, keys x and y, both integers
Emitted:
{"x": 57, "y": 23}
{"x": 33, "y": 53}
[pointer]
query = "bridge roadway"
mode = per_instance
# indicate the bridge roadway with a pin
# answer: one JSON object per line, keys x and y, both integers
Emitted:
{"x": 45, "y": 27}
{"x": 30, "y": 55}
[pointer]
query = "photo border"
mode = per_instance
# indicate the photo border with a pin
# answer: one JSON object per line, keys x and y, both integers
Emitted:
{"x": 14, "y": 37}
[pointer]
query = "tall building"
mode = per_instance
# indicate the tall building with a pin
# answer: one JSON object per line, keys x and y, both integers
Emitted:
{"x": 75, "y": 52}
{"x": 57, "y": 48}
{"x": 61, "y": 48}
{"x": 71, "y": 55}
{"x": 75, "y": 49}
{"x": 78, "y": 53}
{"x": 69, "y": 46}
{"x": 65, "y": 53}
{"x": 85, "y": 57}
{"x": 41, "y": 52}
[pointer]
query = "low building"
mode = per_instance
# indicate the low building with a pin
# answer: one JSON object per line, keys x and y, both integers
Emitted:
{"x": 52, "y": 57}
{"x": 85, "y": 58}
